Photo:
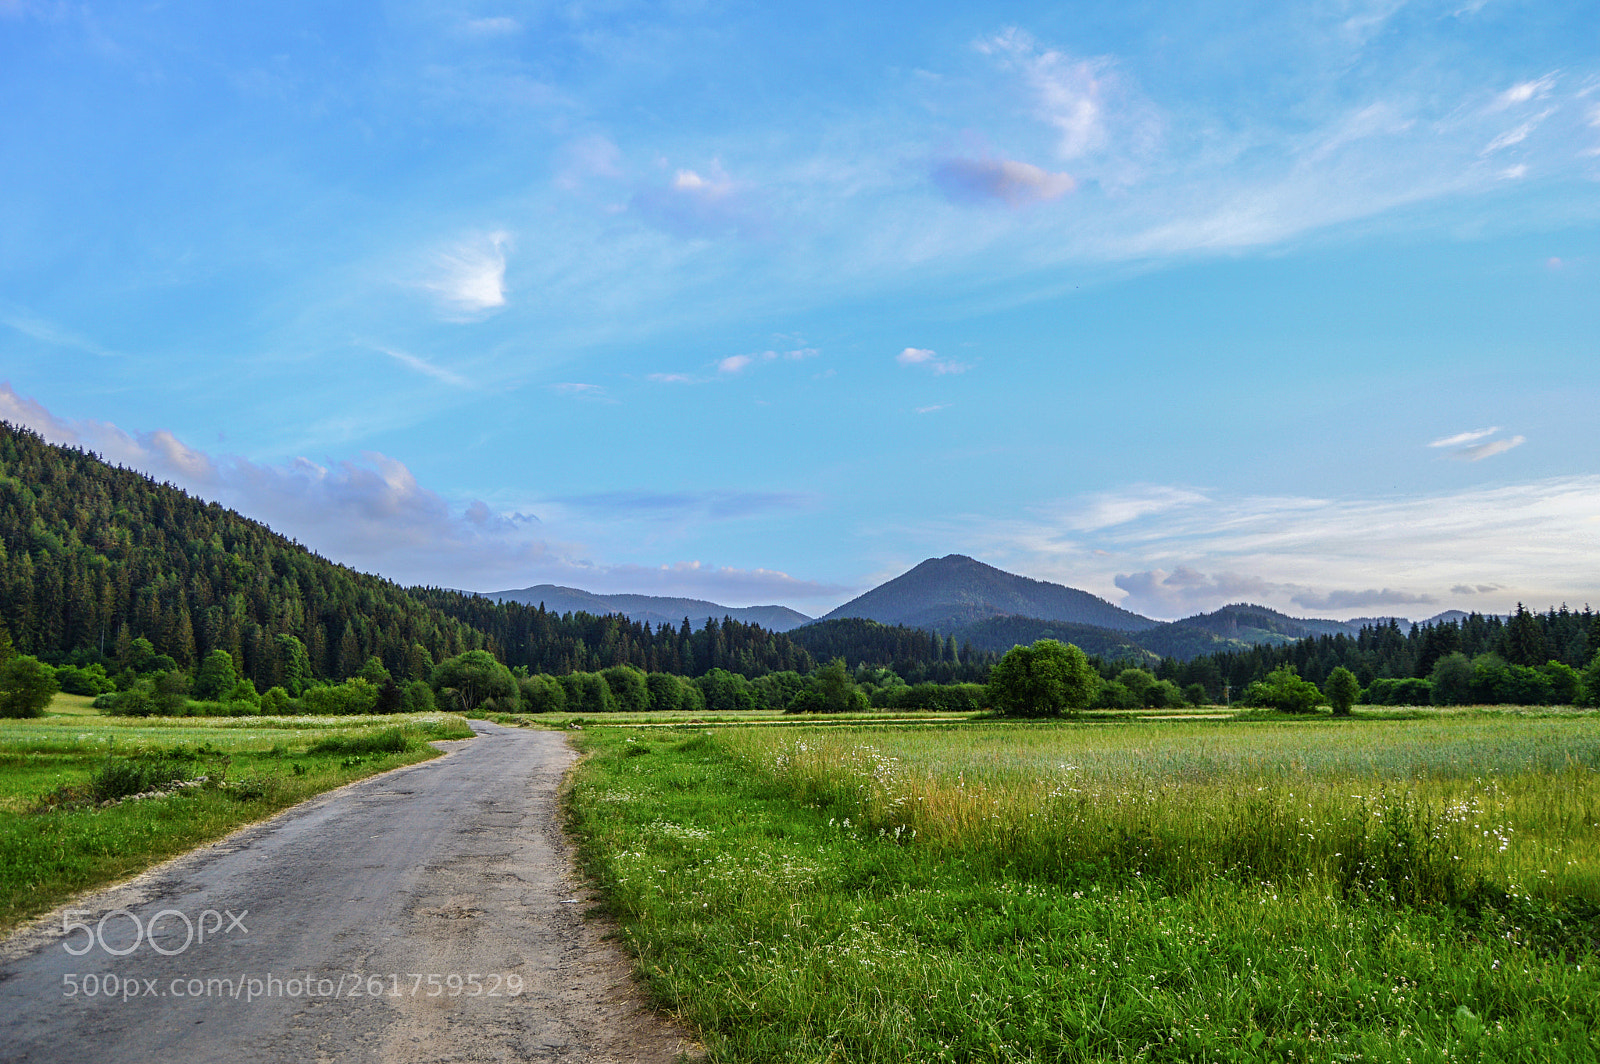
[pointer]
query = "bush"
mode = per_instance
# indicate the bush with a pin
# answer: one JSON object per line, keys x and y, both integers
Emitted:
{"x": 277, "y": 703}
{"x": 1398, "y": 691}
{"x": 941, "y": 698}
{"x": 417, "y": 697}
{"x": 387, "y": 741}
{"x": 89, "y": 680}
{"x": 120, "y": 777}
{"x": 26, "y": 687}
{"x": 355, "y": 695}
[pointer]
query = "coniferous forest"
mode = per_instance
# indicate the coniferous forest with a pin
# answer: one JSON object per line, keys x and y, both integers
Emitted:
{"x": 94, "y": 557}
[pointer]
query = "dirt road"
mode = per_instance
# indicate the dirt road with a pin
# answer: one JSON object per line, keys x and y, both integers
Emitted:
{"x": 425, "y": 915}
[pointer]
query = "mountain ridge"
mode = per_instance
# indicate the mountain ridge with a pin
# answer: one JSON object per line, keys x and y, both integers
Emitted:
{"x": 649, "y": 609}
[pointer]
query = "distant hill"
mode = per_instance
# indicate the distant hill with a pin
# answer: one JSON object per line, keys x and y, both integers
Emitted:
{"x": 650, "y": 609}
{"x": 949, "y": 593}
{"x": 1230, "y": 628}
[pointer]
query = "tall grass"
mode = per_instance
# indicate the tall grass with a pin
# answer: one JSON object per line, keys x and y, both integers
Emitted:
{"x": 1431, "y": 813}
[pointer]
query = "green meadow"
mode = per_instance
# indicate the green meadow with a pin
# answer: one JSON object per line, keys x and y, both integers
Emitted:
{"x": 1392, "y": 887}
{"x": 88, "y": 799}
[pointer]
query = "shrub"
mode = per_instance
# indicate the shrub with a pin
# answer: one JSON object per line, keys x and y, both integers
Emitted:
{"x": 89, "y": 680}
{"x": 941, "y": 698}
{"x": 26, "y": 687}
{"x": 387, "y": 741}
{"x": 120, "y": 777}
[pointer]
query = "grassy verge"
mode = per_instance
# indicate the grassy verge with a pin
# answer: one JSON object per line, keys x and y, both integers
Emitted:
{"x": 1151, "y": 892}
{"x": 86, "y": 800}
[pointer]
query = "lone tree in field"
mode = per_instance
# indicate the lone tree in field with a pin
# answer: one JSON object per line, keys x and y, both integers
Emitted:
{"x": 1046, "y": 679}
{"x": 1285, "y": 691}
{"x": 26, "y": 687}
{"x": 1342, "y": 689}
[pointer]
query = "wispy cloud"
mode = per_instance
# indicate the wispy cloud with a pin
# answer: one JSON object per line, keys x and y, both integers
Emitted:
{"x": 704, "y": 505}
{"x": 1464, "y": 446}
{"x": 700, "y": 205}
{"x": 1464, "y": 437}
{"x": 580, "y": 390}
{"x": 423, "y": 366}
{"x": 734, "y": 364}
{"x": 928, "y": 359}
{"x": 933, "y": 408}
{"x": 1007, "y": 181}
{"x": 470, "y": 278}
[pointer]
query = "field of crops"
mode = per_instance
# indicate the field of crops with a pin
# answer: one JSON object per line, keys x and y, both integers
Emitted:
{"x": 1372, "y": 889}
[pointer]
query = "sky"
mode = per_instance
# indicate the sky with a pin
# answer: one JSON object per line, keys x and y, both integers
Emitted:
{"x": 1292, "y": 303}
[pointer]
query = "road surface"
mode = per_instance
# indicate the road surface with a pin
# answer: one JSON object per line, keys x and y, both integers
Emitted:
{"x": 428, "y": 914}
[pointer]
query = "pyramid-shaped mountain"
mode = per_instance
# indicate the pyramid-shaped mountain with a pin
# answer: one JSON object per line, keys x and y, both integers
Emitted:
{"x": 946, "y": 593}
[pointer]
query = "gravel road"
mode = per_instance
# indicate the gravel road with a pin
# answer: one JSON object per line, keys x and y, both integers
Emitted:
{"x": 428, "y": 914}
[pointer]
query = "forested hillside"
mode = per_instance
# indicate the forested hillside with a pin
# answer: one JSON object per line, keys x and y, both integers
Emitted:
{"x": 93, "y": 557}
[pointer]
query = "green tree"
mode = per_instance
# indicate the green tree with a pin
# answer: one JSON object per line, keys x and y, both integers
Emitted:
{"x": 628, "y": 688}
{"x": 26, "y": 686}
{"x": 1342, "y": 689}
{"x": 1525, "y": 642}
{"x": 836, "y": 691}
{"x": 1042, "y": 680}
{"x": 1285, "y": 691}
{"x": 1590, "y": 691}
{"x": 468, "y": 681}
{"x": 215, "y": 677}
{"x": 1452, "y": 680}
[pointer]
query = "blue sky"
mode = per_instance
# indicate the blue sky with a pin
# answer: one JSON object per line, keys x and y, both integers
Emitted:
{"x": 1285, "y": 303}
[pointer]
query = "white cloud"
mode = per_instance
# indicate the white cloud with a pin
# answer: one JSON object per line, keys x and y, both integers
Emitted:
{"x": 1464, "y": 446}
{"x": 579, "y": 390}
{"x": 497, "y": 26}
{"x": 1171, "y": 552}
{"x": 671, "y": 378}
{"x": 1464, "y": 437}
{"x": 1013, "y": 183}
{"x": 1069, "y": 93}
{"x": 1488, "y": 450}
{"x": 933, "y": 408}
{"x": 470, "y": 277}
{"x": 734, "y": 364}
{"x": 700, "y": 205}
{"x": 423, "y": 366}
{"x": 930, "y": 360}
{"x": 1109, "y": 509}
{"x": 1524, "y": 91}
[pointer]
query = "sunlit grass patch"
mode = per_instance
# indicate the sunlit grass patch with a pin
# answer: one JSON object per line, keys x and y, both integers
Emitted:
{"x": 1084, "y": 893}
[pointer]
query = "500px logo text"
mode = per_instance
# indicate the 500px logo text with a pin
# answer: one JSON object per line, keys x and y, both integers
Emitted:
{"x": 162, "y": 924}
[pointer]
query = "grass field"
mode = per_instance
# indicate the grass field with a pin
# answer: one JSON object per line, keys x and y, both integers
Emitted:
{"x": 1379, "y": 889}
{"x": 59, "y": 837}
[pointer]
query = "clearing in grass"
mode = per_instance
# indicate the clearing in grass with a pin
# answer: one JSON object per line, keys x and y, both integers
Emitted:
{"x": 1395, "y": 890}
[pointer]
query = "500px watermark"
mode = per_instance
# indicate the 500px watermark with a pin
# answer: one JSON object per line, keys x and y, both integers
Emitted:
{"x": 210, "y": 922}
{"x": 305, "y": 985}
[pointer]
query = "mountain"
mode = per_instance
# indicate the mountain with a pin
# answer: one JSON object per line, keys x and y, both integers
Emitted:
{"x": 947, "y": 593}
{"x": 650, "y": 609}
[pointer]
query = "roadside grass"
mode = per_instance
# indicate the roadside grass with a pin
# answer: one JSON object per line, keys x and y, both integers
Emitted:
{"x": 58, "y": 838}
{"x": 777, "y": 718}
{"x": 1395, "y": 890}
